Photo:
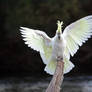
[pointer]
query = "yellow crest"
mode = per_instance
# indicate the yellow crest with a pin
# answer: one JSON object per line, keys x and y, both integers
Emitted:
{"x": 59, "y": 26}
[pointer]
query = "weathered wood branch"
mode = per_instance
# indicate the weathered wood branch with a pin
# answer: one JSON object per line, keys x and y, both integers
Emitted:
{"x": 56, "y": 82}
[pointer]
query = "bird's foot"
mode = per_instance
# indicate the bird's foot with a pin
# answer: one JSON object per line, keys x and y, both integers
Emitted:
{"x": 59, "y": 58}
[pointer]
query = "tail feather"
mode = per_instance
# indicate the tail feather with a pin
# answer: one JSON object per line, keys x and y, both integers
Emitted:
{"x": 68, "y": 65}
{"x": 51, "y": 66}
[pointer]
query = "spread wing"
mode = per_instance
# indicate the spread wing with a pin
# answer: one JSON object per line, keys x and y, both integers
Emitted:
{"x": 38, "y": 41}
{"x": 76, "y": 34}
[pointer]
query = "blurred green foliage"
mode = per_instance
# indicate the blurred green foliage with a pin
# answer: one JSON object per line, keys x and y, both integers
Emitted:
{"x": 40, "y": 14}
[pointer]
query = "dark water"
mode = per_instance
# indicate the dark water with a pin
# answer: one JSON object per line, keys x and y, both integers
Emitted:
{"x": 31, "y": 84}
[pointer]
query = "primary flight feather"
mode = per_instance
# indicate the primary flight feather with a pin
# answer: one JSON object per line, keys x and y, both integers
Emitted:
{"x": 62, "y": 45}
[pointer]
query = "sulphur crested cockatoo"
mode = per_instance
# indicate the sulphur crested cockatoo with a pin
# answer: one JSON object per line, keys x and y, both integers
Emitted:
{"x": 62, "y": 45}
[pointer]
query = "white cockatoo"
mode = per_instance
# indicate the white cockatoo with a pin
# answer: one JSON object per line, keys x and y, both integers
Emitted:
{"x": 62, "y": 45}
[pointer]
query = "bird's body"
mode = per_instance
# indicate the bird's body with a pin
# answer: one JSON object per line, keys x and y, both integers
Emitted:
{"x": 57, "y": 53}
{"x": 58, "y": 46}
{"x": 62, "y": 45}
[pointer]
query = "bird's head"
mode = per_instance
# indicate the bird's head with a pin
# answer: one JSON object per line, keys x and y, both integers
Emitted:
{"x": 59, "y": 28}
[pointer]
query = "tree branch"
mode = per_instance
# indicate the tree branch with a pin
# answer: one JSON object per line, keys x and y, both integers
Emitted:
{"x": 57, "y": 79}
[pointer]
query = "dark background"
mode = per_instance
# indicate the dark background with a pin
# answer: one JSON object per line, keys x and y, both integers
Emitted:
{"x": 16, "y": 59}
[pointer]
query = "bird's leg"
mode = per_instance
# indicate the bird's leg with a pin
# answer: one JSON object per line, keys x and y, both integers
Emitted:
{"x": 59, "y": 58}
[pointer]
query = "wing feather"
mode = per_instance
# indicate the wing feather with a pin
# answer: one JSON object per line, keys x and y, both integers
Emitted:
{"x": 76, "y": 34}
{"x": 38, "y": 41}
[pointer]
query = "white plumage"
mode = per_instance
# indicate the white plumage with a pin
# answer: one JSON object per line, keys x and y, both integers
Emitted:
{"x": 62, "y": 45}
